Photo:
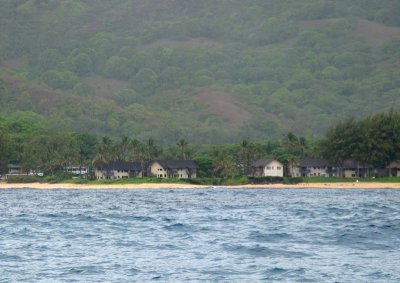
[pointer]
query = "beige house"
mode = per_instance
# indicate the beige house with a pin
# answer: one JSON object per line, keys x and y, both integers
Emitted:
{"x": 119, "y": 170}
{"x": 182, "y": 169}
{"x": 267, "y": 167}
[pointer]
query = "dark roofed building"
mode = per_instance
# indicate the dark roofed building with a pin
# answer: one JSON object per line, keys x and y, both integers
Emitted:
{"x": 119, "y": 170}
{"x": 182, "y": 169}
{"x": 354, "y": 169}
{"x": 394, "y": 169}
{"x": 314, "y": 167}
{"x": 314, "y": 162}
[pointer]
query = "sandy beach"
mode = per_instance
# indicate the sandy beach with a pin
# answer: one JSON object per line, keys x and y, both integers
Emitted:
{"x": 359, "y": 185}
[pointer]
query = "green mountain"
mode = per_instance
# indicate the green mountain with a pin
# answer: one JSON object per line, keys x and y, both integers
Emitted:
{"x": 208, "y": 71}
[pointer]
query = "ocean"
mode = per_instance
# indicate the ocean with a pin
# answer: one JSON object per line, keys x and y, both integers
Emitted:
{"x": 200, "y": 235}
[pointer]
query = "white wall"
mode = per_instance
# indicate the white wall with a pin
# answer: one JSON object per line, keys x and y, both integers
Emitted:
{"x": 274, "y": 169}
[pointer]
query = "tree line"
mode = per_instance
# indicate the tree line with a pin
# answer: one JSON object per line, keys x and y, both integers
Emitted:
{"x": 373, "y": 141}
{"x": 25, "y": 141}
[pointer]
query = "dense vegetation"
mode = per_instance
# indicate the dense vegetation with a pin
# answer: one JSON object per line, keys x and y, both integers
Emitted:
{"x": 24, "y": 141}
{"x": 374, "y": 141}
{"x": 207, "y": 71}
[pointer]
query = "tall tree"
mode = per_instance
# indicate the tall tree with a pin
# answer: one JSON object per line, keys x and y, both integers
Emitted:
{"x": 246, "y": 155}
{"x": 122, "y": 149}
{"x": 138, "y": 151}
{"x": 153, "y": 150}
{"x": 183, "y": 147}
{"x": 225, "y": 166}
{"x": 4, "y": 148}
{"x": 104, "y": 152}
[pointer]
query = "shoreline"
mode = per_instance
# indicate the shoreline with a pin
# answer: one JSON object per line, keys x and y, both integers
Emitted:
{"x": 43, "y": 186}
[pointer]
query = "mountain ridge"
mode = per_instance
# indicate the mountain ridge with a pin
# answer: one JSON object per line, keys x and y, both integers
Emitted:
{"x": 210, "y": 72}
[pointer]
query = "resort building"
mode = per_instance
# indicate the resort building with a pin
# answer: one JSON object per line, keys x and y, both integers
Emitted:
{"x": 119, "y": 170}
{"x": 14, "y": 169}
{"x": 267, "y": 167}
{"x": 394, "y": 169}
{"x": 314, "y": 167}
{"x": 78, "y": 171}
{"x": 182, "y": 169}
{"x": 354, "y": 169}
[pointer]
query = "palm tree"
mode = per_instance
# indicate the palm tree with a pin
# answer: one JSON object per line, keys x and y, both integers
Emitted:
{"x": 104, "y": 152}
{"x": 153, "y": 151}
{"x": 4, "y": 151}
{"x": 289, "y": 161}
{"x": 246, "y": 156}
{"x": 138, "y": 151}
{"x": 121, "y": 149}
{"x": 182, "y": 145}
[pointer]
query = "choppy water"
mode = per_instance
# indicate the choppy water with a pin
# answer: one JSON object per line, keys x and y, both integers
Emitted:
{"x": 215, "y": 235}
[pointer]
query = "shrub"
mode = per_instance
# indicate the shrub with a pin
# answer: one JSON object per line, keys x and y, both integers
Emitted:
{"x": 24, "y": 179}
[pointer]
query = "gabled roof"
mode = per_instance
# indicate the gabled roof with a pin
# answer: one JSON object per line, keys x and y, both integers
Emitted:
{"x": 263, "y": 162}
{"x": 351, "y": 163}
{"x": 122, "y": 166}
{"x": 175, "y": 164}
{"x": 395, "y": 164}
{"x": 314, "y": 162}
{"x": 13, "y": 166}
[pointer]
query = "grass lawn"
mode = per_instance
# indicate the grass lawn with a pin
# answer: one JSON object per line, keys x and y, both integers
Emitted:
{"x": 350, "y": 180}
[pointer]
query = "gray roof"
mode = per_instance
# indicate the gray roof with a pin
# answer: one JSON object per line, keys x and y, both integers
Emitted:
{"x": 351, "y": 163}
{"x": 395, "y": 164}
{"x": 314, "y": 162}
{"x": 263, "y": 162}
{"x": 13, "y": 166}
{"x": 175, "y": 164}
{"x": 122, "y": 166}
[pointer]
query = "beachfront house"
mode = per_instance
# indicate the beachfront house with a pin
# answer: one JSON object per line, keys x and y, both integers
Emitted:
{"x": 77, "y": 171}
{"x": 119, "y": 170}
{"x": 354, "y": 169}
{"x": 14, "y": 169}
{"x": 314, "y": 167}
{"x": 393, "y": 169}
{"x": 182, "y": 169}
{"x": 267, "y": 167}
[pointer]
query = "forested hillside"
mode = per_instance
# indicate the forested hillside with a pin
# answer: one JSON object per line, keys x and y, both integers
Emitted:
{"x": 207, "y": 71}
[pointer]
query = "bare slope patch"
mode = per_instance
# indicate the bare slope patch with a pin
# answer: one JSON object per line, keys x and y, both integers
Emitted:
{"x": 14, "y": 63}
{"x": 317, "y": 23}
{"x": 192, "y": 43}
{"x": 223, "y": 105}
{"x": 376, "y": 34}
{"x": 105, "y": 87}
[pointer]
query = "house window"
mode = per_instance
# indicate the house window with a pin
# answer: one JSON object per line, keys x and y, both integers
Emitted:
{"x": 279, "y": 168}
{"x": 268, "y": 167}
